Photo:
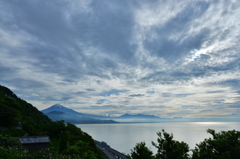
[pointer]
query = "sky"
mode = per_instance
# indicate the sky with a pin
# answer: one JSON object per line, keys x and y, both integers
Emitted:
{"x": 110, "y": 57}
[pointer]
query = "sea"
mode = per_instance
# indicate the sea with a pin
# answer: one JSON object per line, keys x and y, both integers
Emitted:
{"x": 124, "y": 136}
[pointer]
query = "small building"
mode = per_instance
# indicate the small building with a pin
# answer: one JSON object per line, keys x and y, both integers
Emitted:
{"x": 19, "y": 126}
{"x": 35, "y": 143}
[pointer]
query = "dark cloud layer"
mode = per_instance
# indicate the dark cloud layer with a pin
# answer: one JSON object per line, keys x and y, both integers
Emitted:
{"x": 168, "y": 58}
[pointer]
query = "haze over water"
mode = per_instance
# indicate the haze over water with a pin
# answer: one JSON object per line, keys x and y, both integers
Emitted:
{"x": 123, "y": 137}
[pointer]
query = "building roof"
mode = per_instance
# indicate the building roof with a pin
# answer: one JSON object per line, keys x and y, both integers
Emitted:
{"x": 34, "y": 139}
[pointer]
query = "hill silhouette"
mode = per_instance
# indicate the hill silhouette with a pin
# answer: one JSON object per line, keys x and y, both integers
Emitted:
{"x": 15, "y": 111}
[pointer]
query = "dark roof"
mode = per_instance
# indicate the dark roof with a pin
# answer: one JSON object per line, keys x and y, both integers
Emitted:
{"x": 34, "y": 139}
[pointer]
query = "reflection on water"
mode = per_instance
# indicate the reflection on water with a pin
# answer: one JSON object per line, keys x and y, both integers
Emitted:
{"x": 123, "y": 137}
{"x": 209, "y": 123}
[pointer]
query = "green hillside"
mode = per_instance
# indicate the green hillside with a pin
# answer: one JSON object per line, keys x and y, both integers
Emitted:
{"x": 66, "y": 140}
{"x": 14, "y": 110}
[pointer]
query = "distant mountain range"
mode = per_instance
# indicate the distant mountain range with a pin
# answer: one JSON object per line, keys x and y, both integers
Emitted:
{"x": 60, "y": 108}
{"x": 74, "y": 119}
{"x": 59, "y": 112}
{"x": 138, "y": 116}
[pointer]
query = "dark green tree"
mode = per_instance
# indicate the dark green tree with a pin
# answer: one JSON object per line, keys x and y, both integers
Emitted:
{"x": 69, "y": 140}
{"x": 12, "y": 148}
{"x": 169, "y": 148}
{"x": 55, "y": 128}
{"x": 140, "y": 151}
{"x": 82, "y": 149}
{"x": 222, "y": 145}
{"x": 14, "y": 110}
{"x": 64, "y": 141}
{"x": 8, "y": 116}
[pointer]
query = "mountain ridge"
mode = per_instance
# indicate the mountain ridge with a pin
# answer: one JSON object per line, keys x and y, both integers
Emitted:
{"x": 72, "y": 116}
{"x": 137, "y": 115}
{"x": 74, "y": 119}
{"x": 123, "y": 118}
{"x": 61, "y": 108}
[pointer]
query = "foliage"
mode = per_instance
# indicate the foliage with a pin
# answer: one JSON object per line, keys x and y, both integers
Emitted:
{"x": 71, "y": 140}
{"x": 71, "y": 143}
{"x": 223, "y": 145}
{"x": 14, "y": 110}
{"x": 63, "y": 142}
{"x": 49, "y": 153}
{"x": 12, "y": 148}
{"x": 169, "y": 148}
{"x": 67, "y": 140}
{"x": 82, "y": 149}
{"x": 12, "y": 133}
{"x": 8, "y": 116}
{"x": 31, "y": 127}
{"x": 140, "y": 151}
{"x": 54, "y": 129}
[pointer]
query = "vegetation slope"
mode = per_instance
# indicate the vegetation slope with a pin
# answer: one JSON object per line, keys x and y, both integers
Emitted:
{"x": 66, "y": 140}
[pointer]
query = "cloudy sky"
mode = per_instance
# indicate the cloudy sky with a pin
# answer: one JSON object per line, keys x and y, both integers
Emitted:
{"x": 167, "y": 58}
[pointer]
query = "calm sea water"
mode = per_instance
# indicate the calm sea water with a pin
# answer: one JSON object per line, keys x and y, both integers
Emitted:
{"x": 123, "y": 137}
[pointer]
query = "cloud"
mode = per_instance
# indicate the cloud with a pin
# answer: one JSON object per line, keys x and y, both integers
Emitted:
{"x": 104, "y": 107}
{"x": 74, "y": 103}
{"x": 101, "y": 101}
{"x": 90, "y": 89}
{"x": 136, "y": 95}
{"x": 181, "y": 58}
{"x": 190, "y": 107}
{"x": 111, "y": 92}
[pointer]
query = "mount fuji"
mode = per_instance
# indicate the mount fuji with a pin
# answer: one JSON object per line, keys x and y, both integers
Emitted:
{"x": 59, "y": 112}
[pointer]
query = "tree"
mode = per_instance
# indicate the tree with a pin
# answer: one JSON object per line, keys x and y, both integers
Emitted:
{"x": 12, "y": 148}
{"x": 223, "y": 145}
{"x": 64, "y": 141}
{"x": 55, "y": 128}
{"x": 140, "y": 151}
{"x": 82, "y": 149}
{"x": 8, "y": 116}
{"x": 169, "y": 148}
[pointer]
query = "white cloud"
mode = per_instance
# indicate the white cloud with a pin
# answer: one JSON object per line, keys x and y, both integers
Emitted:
{"x": 174, "y": 58}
